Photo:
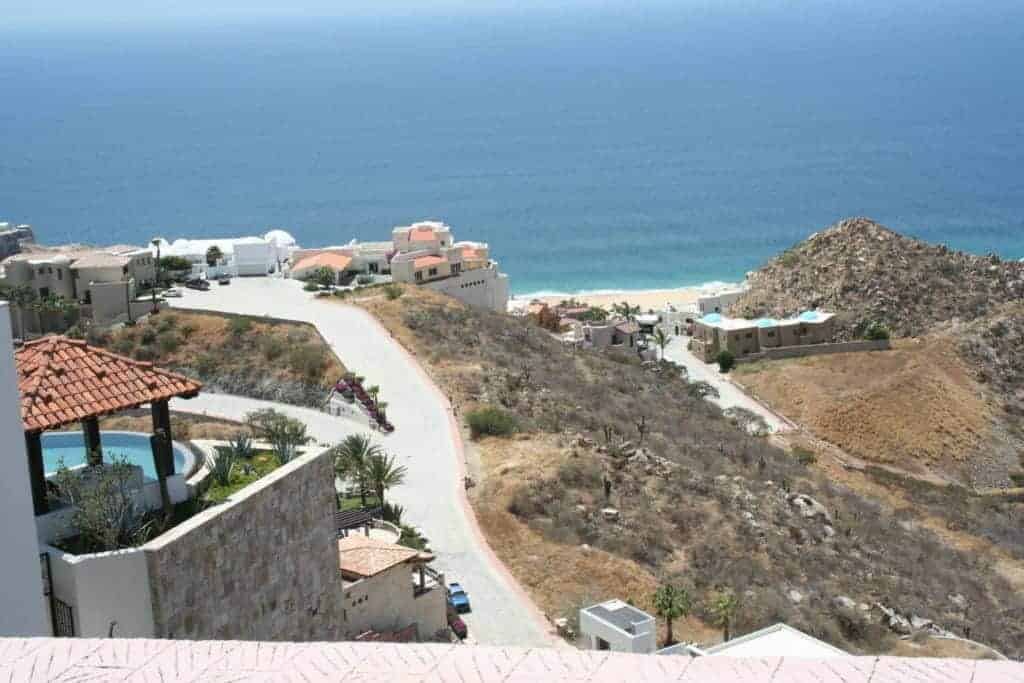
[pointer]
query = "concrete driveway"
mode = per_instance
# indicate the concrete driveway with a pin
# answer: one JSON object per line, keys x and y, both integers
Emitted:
{"x": 425, "y": 441}
{"x": 729, "y": 395}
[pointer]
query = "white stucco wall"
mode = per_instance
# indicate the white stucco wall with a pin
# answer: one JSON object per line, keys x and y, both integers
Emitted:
{"x": 592, "y": 627}
{"x": 21, "y": 604}
{"x": 104, "y": 589}
{"x": 386, "y": 602}
{"x": 481, "y": 288}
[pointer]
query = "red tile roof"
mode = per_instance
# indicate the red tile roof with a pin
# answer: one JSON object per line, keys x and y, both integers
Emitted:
{"x": 328, "y": 259}
{"x": 63, "y": 381}
{"x": 421, "y": 234}
{"x": 424, "y": 261}
{"x": 364, "y": 556}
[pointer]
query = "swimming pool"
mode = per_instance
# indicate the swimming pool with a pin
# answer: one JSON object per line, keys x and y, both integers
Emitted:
{"x": 132, "y": 446}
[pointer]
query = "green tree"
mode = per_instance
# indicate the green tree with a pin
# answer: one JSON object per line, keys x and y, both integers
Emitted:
{"x": 876, "y": 331}
{"x": 671, "y": 603}
{"x": 284, "y": 433}
{"x": 214, "y": 255}
{"x": 723, "y": 610}
{"x": 625, "y": 310}
{"x": 105, "y": 514}
{"x": 661, "y": 339}
{"x": 351, "y": 461}
{"x": 384, "y": 473}
{"x": 324, "y": 276}
{"x": 726, "y": 360}
{"x": 174, "y": 263}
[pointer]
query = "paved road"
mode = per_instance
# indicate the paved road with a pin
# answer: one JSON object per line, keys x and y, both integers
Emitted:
{"x": 423, "y": 441}
{"x": 729, "y": 395}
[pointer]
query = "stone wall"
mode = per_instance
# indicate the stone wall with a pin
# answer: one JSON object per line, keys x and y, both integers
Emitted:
{"x": 815, "y": 350}
{"x": 261, "y": 566}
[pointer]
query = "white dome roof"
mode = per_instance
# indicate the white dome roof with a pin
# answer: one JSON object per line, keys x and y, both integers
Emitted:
{"x": 280, "y": 238}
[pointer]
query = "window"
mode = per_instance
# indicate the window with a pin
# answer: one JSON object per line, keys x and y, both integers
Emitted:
{"x": 60, "y": 274}
{"x": 432, "y": 272}
{"x": 772, "y": 333}
{"x": 456, "y": 268}
{"x": 750, "y": 335}
{"x": 419, "y": 275}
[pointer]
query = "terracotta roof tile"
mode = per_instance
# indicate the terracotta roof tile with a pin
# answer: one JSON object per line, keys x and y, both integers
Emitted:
{"x": 365, "y": 556}
{"x": 326, "y": 259}
{"x": 64, "y": 380}
{"x": 424, "y": 261}
{"x": 421, "y": 234}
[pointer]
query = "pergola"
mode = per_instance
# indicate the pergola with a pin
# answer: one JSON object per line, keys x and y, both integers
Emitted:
{"x": 65, "y": 381}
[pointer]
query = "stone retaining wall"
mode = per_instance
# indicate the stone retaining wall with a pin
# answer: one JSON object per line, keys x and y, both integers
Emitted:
{"x": 814, "y": 350}
{"x": 261, "y": 566}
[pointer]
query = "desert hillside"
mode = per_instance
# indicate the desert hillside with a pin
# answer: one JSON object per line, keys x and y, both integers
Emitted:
{"x": 865, "y": 272}
{"x": 601, "y": 477}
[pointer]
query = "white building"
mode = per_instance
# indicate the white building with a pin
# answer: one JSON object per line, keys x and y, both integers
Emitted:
{"x": 779, "y": 640}
{"x": 388, "y": 588}
{"x": 22, "y": 605}
{"x": 616, "y": 626}
{"x": 239, "y": 255}
{"x": 428, "y": 255}
{"x": 719, "y": 301}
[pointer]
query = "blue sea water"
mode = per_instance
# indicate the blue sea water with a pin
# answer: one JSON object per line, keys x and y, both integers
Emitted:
{"x": 593, "y": 146}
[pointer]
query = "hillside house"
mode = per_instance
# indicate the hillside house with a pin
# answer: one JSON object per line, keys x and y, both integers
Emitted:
{"x": 715, "y": 332}
{"x": 389, "y": 587}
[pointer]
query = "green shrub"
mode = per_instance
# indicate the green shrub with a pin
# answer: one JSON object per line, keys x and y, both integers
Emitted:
{"x": 175, "y": 263}
{"x": 726, "y": 360}
{"x": 239, "y": 326}
{"x": 490, "y": 421}
{"x": 393, "y": 291}
{"x": 804, "y": 456}
{"x": 308, "y": 360}
{"x": 272, "y": 347}
{"x": 169, "y": 343}
{"x": 148, "y": 336}
{"x": 311, "y": 286}
{"x": 364, "y": 279}
{"x": 223, "y": 465}
{"x": 876, "y": 331}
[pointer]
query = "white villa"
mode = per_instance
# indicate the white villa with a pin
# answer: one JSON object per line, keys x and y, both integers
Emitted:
{"x": 242, "y": 256}
{"x": 428, "y": 255}
{"x": 423, "y": 253}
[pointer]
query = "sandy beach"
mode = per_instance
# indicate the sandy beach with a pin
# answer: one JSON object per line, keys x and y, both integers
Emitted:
{"x": 648, "y": 299}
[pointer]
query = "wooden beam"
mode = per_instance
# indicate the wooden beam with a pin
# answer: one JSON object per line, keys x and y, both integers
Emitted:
{"x": 36, "y": 472}
{"x": 93, "y": 446}
{"x": 164, "y": 460}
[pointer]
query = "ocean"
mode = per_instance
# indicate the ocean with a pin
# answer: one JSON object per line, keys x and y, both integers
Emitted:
{"x": 594, "y": 146}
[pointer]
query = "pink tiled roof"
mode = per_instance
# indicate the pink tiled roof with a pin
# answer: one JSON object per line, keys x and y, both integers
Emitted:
{"x": 424, "y": 261}
{"x": 63, "y": 381}
{"x": 81, "y": 659}
{"x": 365, "y": 556}
{"x": 326, "y": 259}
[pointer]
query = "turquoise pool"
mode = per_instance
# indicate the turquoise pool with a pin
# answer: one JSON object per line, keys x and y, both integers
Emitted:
{"x": 133, "y": 446}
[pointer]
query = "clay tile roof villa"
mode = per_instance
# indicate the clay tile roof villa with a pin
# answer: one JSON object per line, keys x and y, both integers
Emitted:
{"x": 65, "y": 381}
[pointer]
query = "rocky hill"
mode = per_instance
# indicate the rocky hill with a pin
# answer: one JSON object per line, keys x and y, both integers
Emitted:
{"x": 865, "y": 272}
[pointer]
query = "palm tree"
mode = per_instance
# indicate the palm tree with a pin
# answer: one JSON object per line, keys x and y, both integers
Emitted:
{"x": 723, "y": 609}
{"x": 351, "y": 460}
{"x": 671, "y": 603}
{"x": 661, "y": 339}
{"x": 384, "y": 473}
{"x": 213, "y": 255}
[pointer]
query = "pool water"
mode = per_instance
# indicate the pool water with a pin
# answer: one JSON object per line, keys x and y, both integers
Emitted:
{"x": 131, "y": 446}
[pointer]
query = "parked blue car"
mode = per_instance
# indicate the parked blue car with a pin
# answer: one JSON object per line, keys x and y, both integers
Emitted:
{"x": 458, "y": 598}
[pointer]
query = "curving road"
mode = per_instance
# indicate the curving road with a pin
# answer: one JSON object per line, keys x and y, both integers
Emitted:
{"x": 425, "y": 440}
{"x": 729, "y": 395}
